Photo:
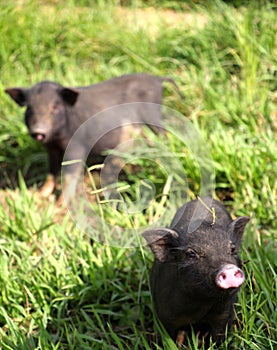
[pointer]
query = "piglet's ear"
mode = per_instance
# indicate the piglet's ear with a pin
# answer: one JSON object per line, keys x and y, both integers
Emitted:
{"x": 160, "y": 240}
{"x": 237, "y": 227}
{"x": 18, "y": 95}
{"x": 69, "y": 96}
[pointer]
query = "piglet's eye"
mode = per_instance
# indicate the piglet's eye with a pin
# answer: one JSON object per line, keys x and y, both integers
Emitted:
{"x": 233, "y": 249}
{"x": 190, "y": 253}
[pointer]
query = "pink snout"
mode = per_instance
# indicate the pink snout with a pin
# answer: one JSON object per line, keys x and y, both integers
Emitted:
{"x": 38, "y": 136}
{"x": 230, "y": 276}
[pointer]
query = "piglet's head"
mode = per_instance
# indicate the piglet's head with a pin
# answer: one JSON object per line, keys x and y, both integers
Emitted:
{"x": 46, "y": 108}
{"x": 205, "y": 259}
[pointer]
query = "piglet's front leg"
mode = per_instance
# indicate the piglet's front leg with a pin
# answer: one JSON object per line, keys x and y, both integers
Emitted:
{"x": 55, "y": 156}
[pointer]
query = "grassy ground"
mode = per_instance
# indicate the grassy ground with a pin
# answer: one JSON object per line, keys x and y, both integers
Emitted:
{"x": 60, "y": 291}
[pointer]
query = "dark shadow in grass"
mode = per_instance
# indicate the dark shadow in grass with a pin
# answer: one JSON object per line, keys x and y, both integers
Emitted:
{"x": 25, "y": 156}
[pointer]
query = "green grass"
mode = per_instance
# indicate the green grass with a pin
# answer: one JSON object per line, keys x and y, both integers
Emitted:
{"x": 60, "y": 291}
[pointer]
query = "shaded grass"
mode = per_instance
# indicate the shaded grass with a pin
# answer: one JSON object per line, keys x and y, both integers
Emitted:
{"x": 60, "y": 291}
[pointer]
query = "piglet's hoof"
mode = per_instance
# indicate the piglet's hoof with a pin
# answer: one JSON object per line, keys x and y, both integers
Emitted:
{"x": 181, "y": 337}
{"x": 48, "y": 187}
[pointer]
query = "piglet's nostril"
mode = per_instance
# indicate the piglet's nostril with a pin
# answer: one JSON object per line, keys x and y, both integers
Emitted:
{"x": 239, "y": 274}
